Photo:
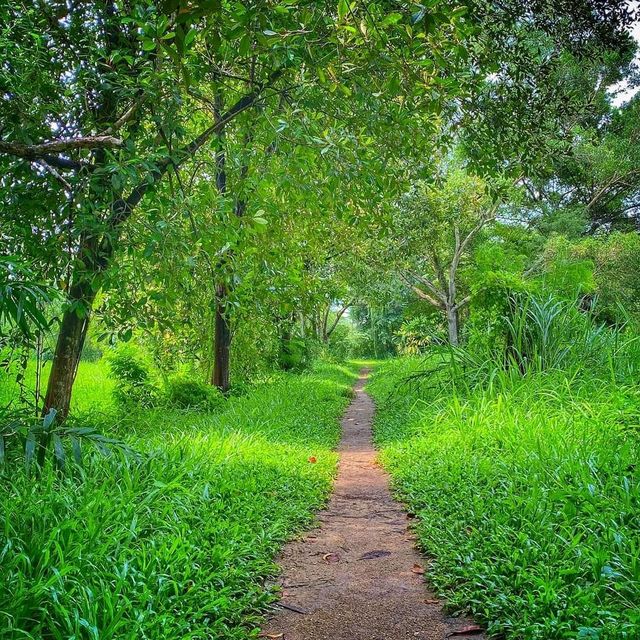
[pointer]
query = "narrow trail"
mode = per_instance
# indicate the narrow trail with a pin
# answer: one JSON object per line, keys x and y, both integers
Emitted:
{"x": 357, "y": 577}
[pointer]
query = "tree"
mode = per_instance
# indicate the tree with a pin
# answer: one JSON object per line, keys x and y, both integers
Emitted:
{"x": 103, "y": 101}
{"x": 438, "y": 225}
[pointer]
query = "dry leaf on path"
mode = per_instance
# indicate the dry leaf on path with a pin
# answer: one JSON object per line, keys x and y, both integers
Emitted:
{"x": 273, "y": 636}
{"x": 417, "y": 569}
{"x": 432, "y": 601}
{"x": 331, "y": 558}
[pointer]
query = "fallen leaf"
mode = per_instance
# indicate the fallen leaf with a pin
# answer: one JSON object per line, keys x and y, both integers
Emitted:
{"x": 417, "y": 569}
{"x": 331, "y": 558}
{"x": 472, "y": 630}
{"x": 432, "y": 601}
{"x": 313, "y": 459}
{"x": 273, "y": 636}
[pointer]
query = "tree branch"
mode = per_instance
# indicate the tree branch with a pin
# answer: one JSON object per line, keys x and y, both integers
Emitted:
{"x": 123, "y": 207}
{"x": 427, "y": 283}
{"x": 464, "y": 302}
{"x": 421, "y": 294}
{"x": 337, "y": 318}
{"x": 36, "y": 151}
{"x": 125, "y": 117}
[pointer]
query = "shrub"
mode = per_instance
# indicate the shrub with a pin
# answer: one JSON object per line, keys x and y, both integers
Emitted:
{"x": 347, "y": 341}
{"x": 187, "y": 393}
{"x": 297, "y": 354}
{"x": 134, "y": 385}
{"x": 418, "y": 334}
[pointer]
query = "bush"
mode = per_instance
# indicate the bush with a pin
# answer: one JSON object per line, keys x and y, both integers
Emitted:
{"x": 134, "y": 385}
{"x": 418, "y": 334}
{"x": 297, "y": 354}
{"x": 186, "y": 393}
{"x": 347, "y": 341}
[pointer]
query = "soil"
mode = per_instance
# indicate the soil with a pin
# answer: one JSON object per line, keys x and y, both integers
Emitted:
{"x": 358, "y": 576}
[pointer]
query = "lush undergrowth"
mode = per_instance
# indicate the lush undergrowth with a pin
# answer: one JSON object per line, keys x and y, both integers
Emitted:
{"x": 174, "y": 542}
{"x": 93, "y": 387}
{"x": 527, "y": 497}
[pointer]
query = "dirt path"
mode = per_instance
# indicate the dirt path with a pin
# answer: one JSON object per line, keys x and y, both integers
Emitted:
{"x": 357, "y": 576}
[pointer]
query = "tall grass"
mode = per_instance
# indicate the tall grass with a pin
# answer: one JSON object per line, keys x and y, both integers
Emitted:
{"x": 92, "y": 390}
{"x": 522, "y": 469}
{"x": 175, "y": 542}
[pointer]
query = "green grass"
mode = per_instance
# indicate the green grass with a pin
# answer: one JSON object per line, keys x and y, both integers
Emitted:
{"x": 527, "y": 497}
{"x": 177, "y": 543}
{"x": 92, "y": 389}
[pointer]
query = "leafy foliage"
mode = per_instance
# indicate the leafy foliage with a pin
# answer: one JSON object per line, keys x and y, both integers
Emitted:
{"x": 135, "y": 387}
{"x": 187, "y": 393}
{"x": 526, "y": 492}
{"x": 177, "y": 540}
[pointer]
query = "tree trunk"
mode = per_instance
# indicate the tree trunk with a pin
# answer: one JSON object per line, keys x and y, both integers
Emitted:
{"x": 324, "y": 334}
{"x": 452, "y": 322}
{"x": 285, "y": 346}
{"x": 73, "y": 331}
{"x": 222, "y": 346}
{"x": 71, "y": 337}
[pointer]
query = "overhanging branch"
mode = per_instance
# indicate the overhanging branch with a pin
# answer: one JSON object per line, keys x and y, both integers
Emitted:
{"x": 36, "y": 151}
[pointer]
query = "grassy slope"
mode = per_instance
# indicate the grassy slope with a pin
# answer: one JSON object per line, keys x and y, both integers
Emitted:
{"x": 175, "y": 545}
{"x": 528, "y": 500}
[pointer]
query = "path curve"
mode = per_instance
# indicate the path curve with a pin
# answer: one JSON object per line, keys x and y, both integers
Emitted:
{"x": 357, "y": 577}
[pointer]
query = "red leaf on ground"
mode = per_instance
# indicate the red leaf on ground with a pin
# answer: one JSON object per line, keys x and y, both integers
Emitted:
{"x": 417, "y": 569}
{"x": 467, "y": 631}
{"x": 330, "y": 558}
{"x": 313, "y": 459}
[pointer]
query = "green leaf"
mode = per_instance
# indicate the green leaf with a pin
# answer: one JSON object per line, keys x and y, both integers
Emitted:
{"x": 49, "y": 418}
{"x": 30, "y": 449}
{"x": 245, "y": 43}
{"x": 190, "y": 37}
{"x": 58, "y": 452}
{"x": 391, "y": 18}
{"x": 343, "y": 9}
{"x": 76, "y": 448}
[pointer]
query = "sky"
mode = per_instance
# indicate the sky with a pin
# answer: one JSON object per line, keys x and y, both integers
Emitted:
{"x": 628, "y": 92}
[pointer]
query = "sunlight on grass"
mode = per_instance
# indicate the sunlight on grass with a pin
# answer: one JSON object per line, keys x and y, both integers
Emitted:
{"x": 92, "y": 389}
{"x": 174, "y": 543}
{"x": 528, "y": 500}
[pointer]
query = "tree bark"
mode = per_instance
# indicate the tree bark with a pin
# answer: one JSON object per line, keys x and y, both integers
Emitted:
{"x": 452, "y": 323}
{"x": 222, "y": 344}
{"x": 71, "y": 338}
